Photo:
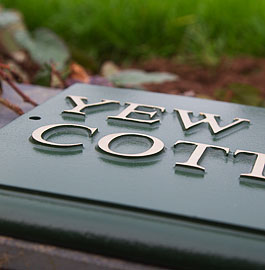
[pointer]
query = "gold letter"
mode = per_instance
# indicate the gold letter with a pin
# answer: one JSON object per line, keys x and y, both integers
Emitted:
{"x": 104, "y": 144}
{"x": 197, "y": 154}
{"x": 80, "y": 106}
{"x": 38, "y": 135}
{"x": 208, "y": 118}
{"x": 132, "y": 108}
{"x": 258, "y": 167}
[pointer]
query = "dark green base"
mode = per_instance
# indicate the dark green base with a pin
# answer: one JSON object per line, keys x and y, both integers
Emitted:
{"x": 142, "y": 237}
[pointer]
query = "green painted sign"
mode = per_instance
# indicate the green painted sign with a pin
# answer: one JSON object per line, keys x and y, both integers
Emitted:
{"x": 178, "y": 177}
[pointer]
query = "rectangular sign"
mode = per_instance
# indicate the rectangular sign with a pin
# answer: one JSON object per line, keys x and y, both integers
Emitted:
{"x": 171, "y": 155}
{"x": 154, "y": 181}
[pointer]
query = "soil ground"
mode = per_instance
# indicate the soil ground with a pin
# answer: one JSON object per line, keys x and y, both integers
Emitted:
{"x": 198, "y": 80}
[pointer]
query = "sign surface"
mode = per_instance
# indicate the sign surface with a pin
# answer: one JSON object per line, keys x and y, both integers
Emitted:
{"x": 158, "y": 182}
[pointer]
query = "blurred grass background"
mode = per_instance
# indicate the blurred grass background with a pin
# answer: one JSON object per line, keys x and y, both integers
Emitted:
{"x": 121, "y": 30}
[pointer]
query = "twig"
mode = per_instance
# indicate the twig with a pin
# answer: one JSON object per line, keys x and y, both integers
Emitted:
{"x": 11, "y": 106}
{"x": 4, "y": 66}
{"x": 13, "y": 73}
{"x": 26, "y": 98}
{"x": 55, "y": 72}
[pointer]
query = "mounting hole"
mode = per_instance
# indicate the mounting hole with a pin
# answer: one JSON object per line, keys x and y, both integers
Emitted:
{"x": 34, "y": 117}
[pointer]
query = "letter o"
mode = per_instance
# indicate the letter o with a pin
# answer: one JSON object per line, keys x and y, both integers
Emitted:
{"x": 104, "y": 144}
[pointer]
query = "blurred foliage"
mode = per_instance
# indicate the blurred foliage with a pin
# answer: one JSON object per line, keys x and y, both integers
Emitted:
{"x": 123, "y": 30}
{"x": 31, "y": 55}
{"x": 45, "y": 47}
{"x": 134, "y": 78}
{"x": 240, "y": 93}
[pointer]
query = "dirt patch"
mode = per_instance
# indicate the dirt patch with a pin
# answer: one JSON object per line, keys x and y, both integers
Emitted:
{"x": 200, "y": 80}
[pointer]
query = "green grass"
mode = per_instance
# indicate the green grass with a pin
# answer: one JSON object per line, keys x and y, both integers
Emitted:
{"x": 130, "y": 29}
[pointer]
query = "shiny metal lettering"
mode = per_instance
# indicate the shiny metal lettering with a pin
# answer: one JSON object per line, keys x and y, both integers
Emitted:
{"x": 80, "y": 106}
{"x": 197, "y": 154}
{"x": 258, "y": 167}
{"x": 132, "y": 108}
{"x": 104, "y": 145}
{"x": 208, "y": 118}
{"x": 38, "y": 135}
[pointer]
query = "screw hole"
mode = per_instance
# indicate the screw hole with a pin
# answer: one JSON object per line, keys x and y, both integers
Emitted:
{"x": 34, "y": 117}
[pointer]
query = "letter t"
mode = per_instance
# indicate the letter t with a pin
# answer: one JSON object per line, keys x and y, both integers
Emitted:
{"x": 197, "y": 154}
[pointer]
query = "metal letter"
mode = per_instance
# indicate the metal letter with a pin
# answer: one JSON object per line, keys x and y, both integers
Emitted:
{"x": 258, "y": 167}
{"x": 38, "y": 135}
{"x": 104, "y": 144}
{"x": 80, "y": 106}
{"x": 197, "y": 154}
{"x": 132, "y": 108}
{"x": 208, "y": 118}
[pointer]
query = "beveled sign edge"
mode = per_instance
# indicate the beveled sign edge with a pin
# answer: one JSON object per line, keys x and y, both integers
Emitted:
{"x": 163, "y": 240}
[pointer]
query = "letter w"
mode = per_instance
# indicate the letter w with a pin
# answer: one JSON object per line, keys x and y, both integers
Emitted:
{"x": 208, "y": 118}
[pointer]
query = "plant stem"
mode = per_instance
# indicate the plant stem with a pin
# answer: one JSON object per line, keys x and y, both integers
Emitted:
{"x": 26, "y": 98}
{"x": 11, "y": 106}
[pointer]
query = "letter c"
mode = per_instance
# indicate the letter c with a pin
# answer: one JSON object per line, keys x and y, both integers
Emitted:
{"x": 38, "y": 135}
